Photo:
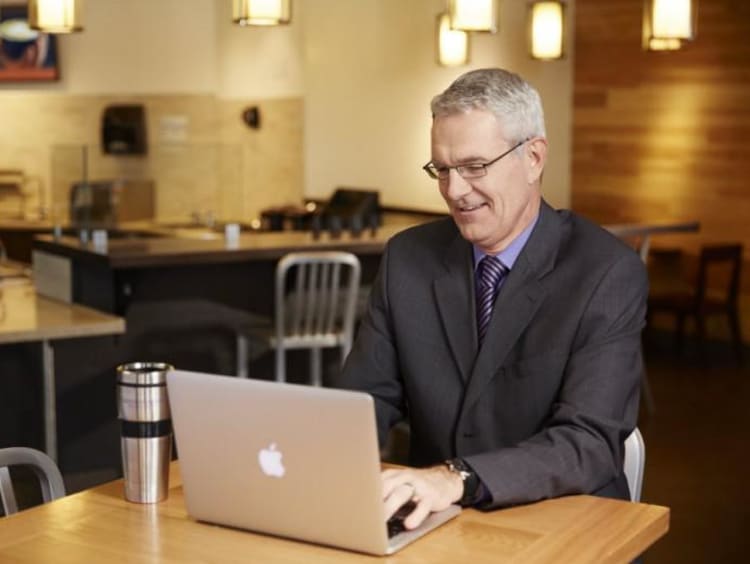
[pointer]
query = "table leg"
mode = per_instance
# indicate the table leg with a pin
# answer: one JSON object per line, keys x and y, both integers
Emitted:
{"x": 50, "y": 409}
{"x": 242, "y": 359}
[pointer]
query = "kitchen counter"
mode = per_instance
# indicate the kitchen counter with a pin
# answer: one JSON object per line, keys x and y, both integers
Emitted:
{"x": 164, "y": 250}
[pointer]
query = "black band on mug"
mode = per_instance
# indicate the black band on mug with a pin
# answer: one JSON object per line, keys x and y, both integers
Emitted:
{"x": 146, "y": 429}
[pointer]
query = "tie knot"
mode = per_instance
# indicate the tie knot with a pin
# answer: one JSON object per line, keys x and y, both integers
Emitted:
{"x": 491, "y": 270}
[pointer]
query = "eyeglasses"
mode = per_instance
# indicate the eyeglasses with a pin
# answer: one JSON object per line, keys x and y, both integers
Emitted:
{"x": 474, "y": 170}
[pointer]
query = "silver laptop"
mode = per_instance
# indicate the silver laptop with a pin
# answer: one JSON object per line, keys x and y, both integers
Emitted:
{"x": 283, "y": 459}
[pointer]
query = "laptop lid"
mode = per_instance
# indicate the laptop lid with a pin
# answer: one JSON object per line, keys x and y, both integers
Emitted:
{"x": 284, "y": 459}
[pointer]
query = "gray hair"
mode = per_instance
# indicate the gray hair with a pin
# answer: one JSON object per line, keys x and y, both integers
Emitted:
{"x": 514, "y": 102}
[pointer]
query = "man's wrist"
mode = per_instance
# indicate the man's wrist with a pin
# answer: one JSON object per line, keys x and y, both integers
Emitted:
{"x": 468, "y": 477}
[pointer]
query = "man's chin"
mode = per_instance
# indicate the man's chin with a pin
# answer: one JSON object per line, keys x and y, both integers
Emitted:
{"x": 470, "y": 232}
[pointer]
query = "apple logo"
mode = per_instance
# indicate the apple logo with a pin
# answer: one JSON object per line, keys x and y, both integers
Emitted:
{"x": 270, "y": 461}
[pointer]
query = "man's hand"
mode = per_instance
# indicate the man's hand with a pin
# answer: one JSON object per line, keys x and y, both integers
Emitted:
{"x": 432, "y": 489}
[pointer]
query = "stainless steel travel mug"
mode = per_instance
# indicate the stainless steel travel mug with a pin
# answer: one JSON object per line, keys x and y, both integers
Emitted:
{"x": 146, "y": 442}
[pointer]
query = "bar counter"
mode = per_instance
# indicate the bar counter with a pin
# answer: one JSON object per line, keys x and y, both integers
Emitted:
{"x": 178, "y": 247}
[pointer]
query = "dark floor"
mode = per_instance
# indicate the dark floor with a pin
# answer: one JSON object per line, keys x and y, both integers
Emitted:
{"x": 698, "y": 452}
{"x": 697, "y": 458}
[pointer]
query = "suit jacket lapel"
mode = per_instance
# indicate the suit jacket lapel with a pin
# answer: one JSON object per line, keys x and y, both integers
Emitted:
{"x": 458, "y": 316}
{"x": 518, "y": 300}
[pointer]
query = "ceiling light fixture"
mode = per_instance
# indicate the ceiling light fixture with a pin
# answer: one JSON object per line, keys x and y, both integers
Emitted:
{"x": 452, "y": 44}
{"x": 668, "y": 23}
{"x": 473, "y": 15}
{"x": 56, "y": 16}
{"x": 261, "y": 12}
{"x": 547, "y": 29}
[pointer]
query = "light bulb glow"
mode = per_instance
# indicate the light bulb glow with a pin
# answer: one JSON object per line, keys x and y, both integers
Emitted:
{"x": 672, "y": 19}
{"x": 56, "y": 16}
{"x": 453, "y": 45}
{"x": 546, "y": 30}
{"x": 261, "y": 12}
{"x": 473, "y": 15}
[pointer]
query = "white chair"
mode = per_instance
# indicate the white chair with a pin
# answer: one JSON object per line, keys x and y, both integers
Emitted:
{"x": 315, "y": 306}
{"x": 635, "y": 460}
{"x": 46, "y": 470}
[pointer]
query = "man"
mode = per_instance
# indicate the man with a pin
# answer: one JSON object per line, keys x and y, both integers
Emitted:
{"x": 519, "y": 375}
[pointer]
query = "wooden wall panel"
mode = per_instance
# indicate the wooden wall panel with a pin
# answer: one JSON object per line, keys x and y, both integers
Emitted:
{"x": 664, "y": 136}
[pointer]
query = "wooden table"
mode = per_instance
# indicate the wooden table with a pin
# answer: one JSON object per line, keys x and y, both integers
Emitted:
{"x": 26, "y": 316}
{"x": 98, "y": 525}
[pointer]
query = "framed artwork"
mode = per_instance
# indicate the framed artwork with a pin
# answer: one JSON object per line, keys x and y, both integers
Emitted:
{"x": 25, "y": 54}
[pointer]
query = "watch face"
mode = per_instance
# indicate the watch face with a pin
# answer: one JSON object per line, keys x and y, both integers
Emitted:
{"x": 457, "y": 466}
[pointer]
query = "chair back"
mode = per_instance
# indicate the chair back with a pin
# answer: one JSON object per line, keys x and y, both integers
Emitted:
{"x": 319, "y": 309}
{"x": 635, "y": 461}
{"x": 719, "y": 265}
{"x": 50, "y": 479}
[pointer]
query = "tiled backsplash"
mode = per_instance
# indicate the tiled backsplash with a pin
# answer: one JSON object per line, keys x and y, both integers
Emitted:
{"x": 201, "y": 156}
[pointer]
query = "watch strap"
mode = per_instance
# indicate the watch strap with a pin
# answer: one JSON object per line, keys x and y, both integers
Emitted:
{"x": 468, "y": 477}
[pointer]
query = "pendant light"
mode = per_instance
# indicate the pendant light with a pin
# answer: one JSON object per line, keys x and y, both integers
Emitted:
{"x": 261, "y": 12}
{"x": 668, "y": 23}
{"x": 546, "y": 29}
{"x": 56, "y": 16}
{"x": 473, "y": 15}
{"x": 452, "y": 44}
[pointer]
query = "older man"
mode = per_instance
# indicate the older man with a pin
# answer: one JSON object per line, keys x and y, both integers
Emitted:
{"x": 507, "y": 335}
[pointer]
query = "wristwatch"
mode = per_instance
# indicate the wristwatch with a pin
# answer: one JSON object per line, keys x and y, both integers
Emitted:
{"x": 468, "y": 477}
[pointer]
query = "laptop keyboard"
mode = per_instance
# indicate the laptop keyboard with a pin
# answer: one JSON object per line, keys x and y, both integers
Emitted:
{"x": 396, "y": 523}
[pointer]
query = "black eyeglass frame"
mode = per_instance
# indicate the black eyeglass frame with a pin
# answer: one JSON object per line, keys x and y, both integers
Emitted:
{"x": 434, "y": 173}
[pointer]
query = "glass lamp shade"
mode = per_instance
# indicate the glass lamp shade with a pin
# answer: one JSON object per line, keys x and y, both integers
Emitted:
{"x": 56, "y": 16}
{"x": 667, "y": 23}
{"x": 452, "y": 44}
{"x": 261, "y": 12}
{"x": 473, "y": 15}
{"x": 672, "y": 19}
{"x": 546, "y": 33}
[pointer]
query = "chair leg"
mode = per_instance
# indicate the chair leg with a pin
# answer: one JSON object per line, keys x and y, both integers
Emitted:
{"x": 700, "y": 329}
{"x": 734, "y": 324}
{"x": 7, "y": 497}
{"x": 316, "y": 372}
{"x": 280, "y": 364}
{"x": 242, "y": 356}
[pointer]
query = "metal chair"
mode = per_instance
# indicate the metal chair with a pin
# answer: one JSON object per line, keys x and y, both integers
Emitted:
{"x": 46, "y": 470}
{"x": 635, "y": 460}
{"x": 315, "y": 306}
{"x": 716, "y": 292}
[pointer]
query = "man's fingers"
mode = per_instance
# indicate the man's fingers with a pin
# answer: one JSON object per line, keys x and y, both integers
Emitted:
{"x": 420, "y": 513}
{"x": 399, "y": 495}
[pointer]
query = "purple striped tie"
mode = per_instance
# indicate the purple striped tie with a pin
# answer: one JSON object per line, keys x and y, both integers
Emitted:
{"x": 489, "y": 274}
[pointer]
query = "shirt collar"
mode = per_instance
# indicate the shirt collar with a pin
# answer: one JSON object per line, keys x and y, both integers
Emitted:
{"x": 509, "y": 255}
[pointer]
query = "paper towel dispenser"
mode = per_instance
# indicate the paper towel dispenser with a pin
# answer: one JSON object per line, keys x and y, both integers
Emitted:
{"x": 124, "y": 130}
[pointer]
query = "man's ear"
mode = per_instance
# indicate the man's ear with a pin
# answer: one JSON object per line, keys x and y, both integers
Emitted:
{"x": 535, "y": 155}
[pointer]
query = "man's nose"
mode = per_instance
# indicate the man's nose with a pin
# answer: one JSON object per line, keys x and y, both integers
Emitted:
{"x": 455, "y": 186}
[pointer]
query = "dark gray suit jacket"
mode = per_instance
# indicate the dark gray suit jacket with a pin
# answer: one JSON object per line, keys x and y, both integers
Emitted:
{"x": 543, "y": 408}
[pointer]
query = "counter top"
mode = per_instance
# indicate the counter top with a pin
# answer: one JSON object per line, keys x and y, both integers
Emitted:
{"x": 26, "y": 316}
{"x": 162, "y": 251}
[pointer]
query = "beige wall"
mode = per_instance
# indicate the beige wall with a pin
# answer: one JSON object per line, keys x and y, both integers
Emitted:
{"x": 370, "y": 73}
{"x": 142, "y": 47}
{"x": 343, "y": 93}
{"x": 187, "y": 64}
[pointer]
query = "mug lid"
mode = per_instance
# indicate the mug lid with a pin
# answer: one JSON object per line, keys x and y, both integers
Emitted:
{"x": 143, "y": 373}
